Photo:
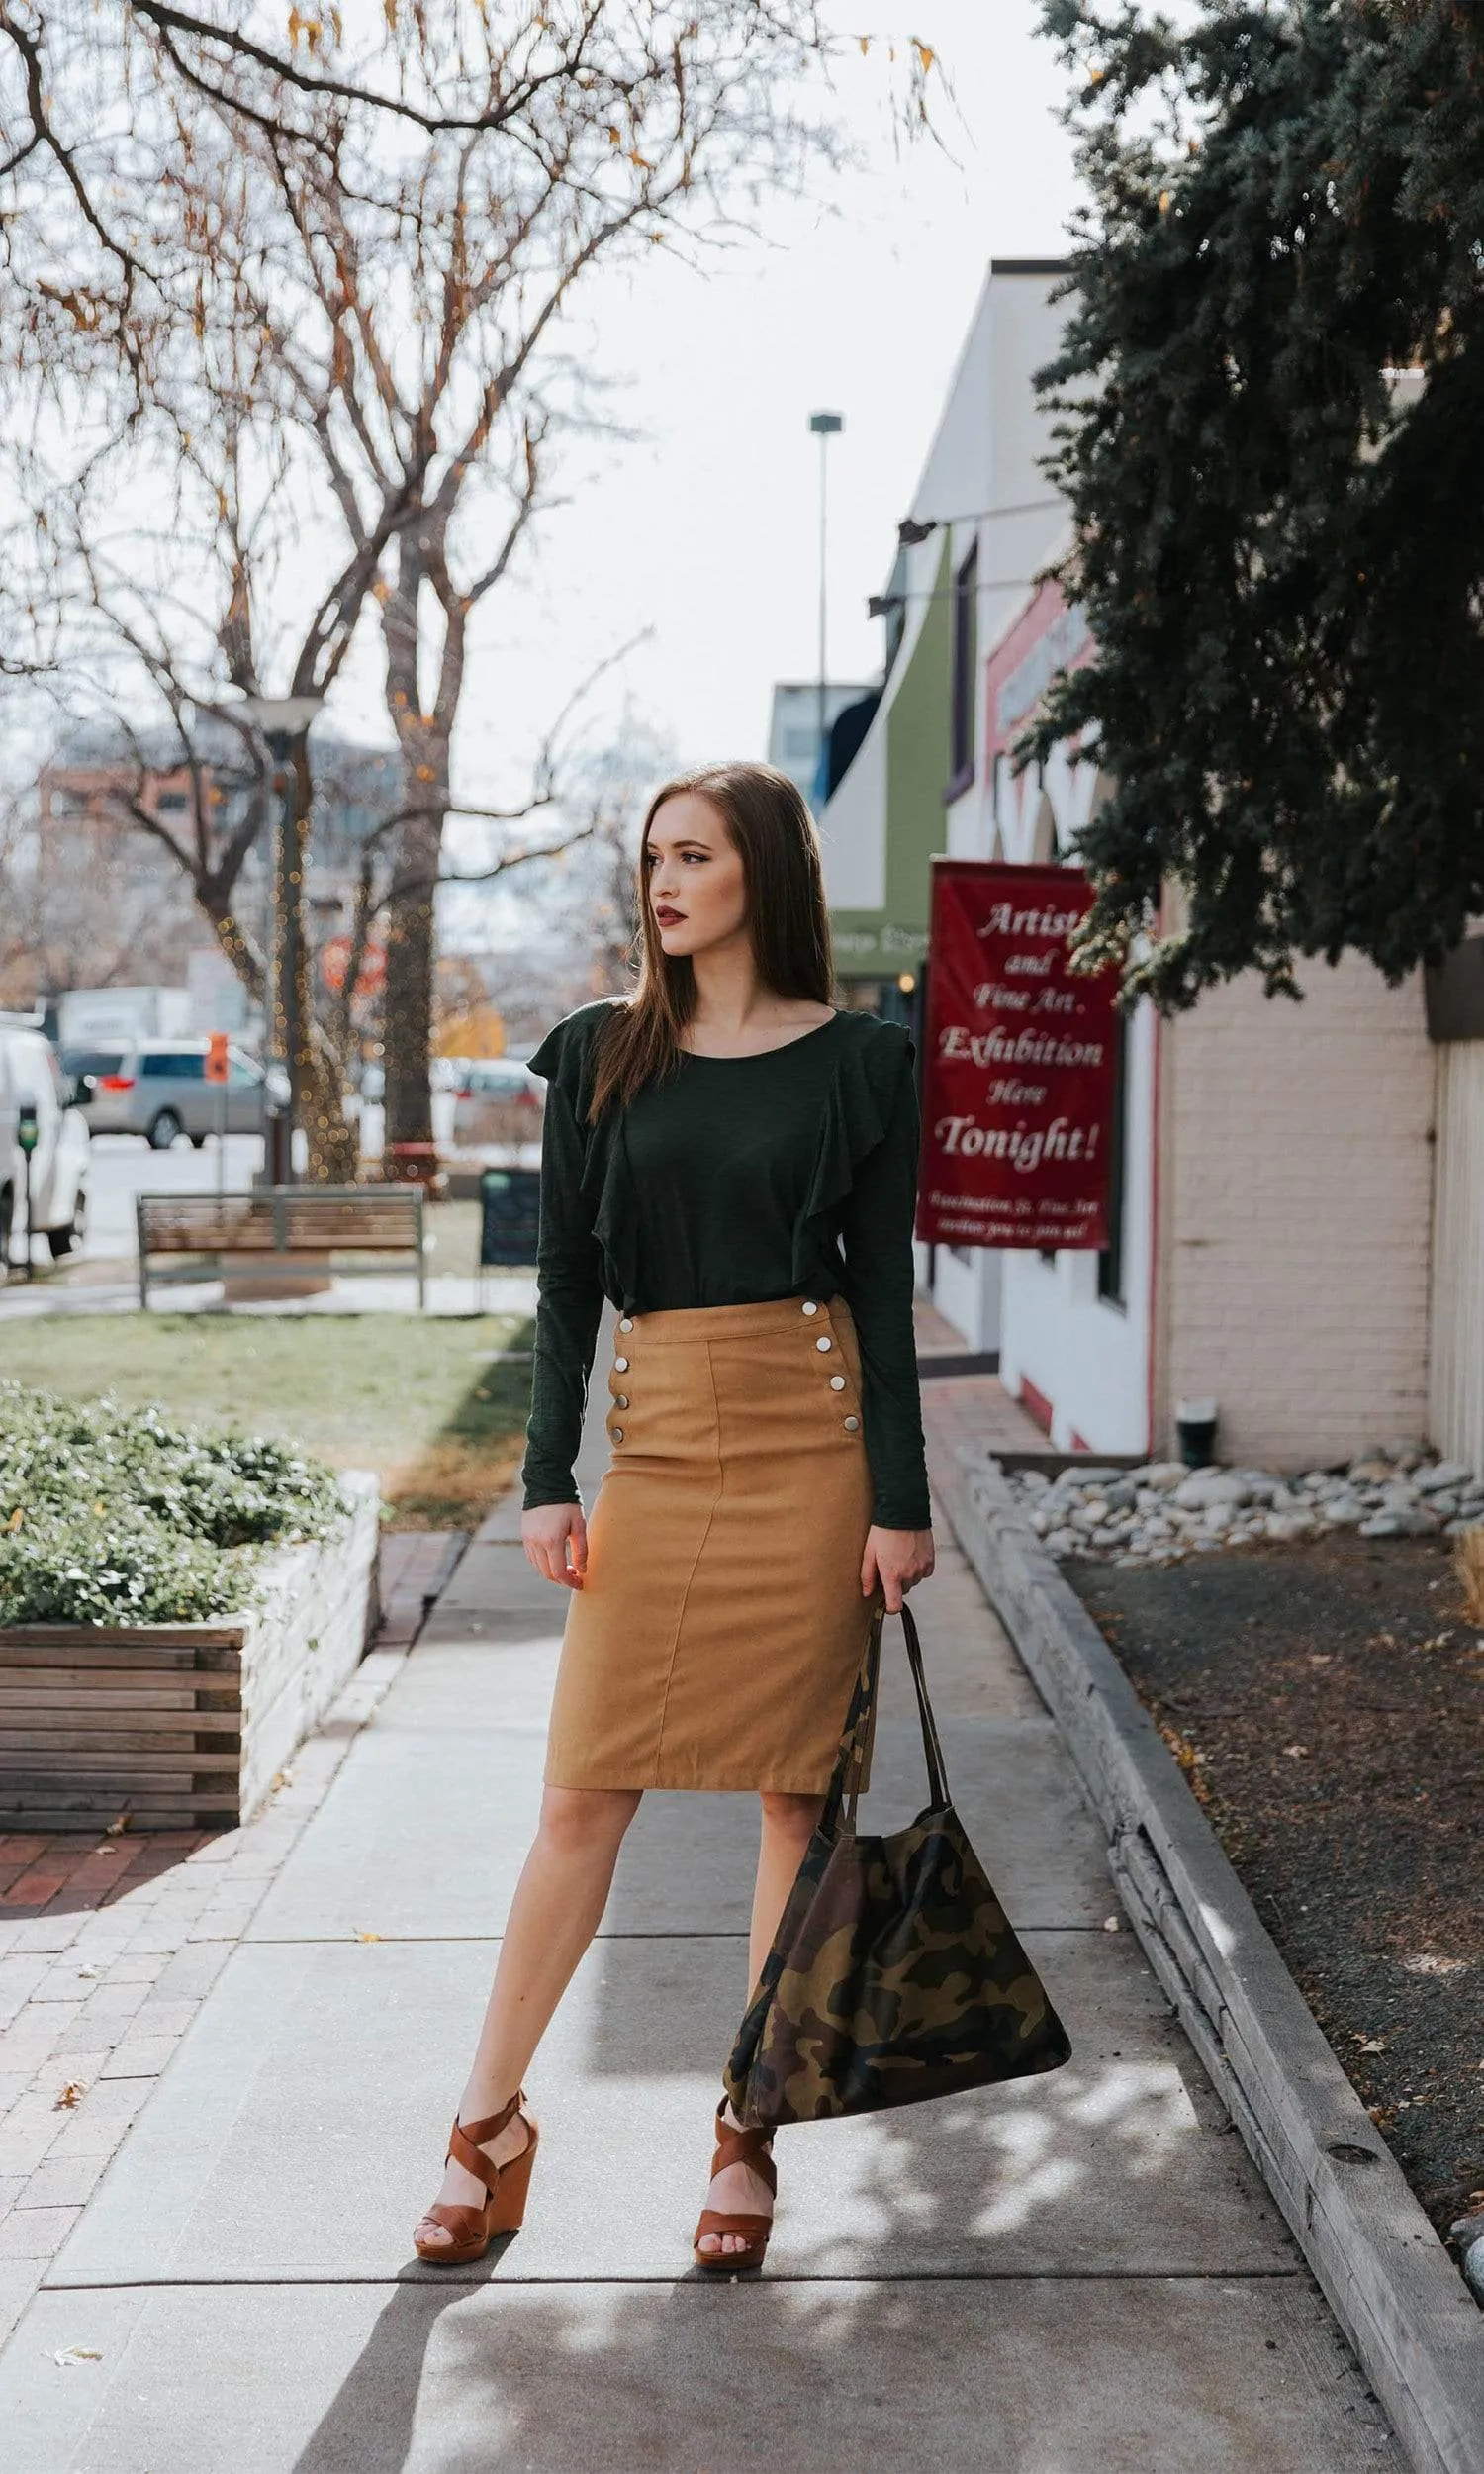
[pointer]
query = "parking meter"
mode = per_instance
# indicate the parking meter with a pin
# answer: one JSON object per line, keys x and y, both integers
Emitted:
{"x": 28, "y": 1135}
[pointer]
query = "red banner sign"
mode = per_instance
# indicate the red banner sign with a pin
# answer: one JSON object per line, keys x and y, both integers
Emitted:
{"x": 1020, "y": 1064}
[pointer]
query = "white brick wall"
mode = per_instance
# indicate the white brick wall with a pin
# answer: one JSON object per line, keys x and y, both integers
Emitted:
{"x": 1457, "y": 1391}
{"x": 1295, "y": 1215}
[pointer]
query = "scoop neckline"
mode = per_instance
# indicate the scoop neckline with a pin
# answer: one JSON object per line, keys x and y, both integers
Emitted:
{"x": 755, "y": 1056}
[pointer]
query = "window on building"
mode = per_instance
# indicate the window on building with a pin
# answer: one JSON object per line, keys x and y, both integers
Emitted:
{"x": 1110, "y": 1262}
{"x": 965, "y": 666}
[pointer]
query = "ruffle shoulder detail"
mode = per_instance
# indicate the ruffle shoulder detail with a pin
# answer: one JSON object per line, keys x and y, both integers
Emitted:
{"x": 566, "y": 1057}
{"x": 872, "y": 1060}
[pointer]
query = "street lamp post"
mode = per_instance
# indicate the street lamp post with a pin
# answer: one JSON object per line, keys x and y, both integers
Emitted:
{"x": 824, "y": 426}
{"x": 282, "y": 720}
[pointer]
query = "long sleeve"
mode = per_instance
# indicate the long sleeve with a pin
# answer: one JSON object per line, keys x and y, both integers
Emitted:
{"x": 569, "y": 1299}
{"x": 876, "y": 1231}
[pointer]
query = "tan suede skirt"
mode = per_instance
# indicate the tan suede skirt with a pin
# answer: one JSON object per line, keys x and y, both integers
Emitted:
{"x": 717, "y": 1636}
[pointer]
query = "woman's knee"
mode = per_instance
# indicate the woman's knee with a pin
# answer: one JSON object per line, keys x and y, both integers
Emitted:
{"x": 792, "y": 1816}
{"x": 581, "y": 1821}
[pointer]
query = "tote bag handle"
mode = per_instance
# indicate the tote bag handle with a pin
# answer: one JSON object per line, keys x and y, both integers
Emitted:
{"x": 852, "y": 1741}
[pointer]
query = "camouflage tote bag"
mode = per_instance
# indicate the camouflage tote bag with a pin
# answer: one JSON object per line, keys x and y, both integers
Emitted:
{"x": 894, "y": 1974}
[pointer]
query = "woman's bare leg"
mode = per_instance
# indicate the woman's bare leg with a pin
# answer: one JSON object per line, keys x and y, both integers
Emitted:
{"x": 789, "y": 1824}
{"x": 557, "y": 1908}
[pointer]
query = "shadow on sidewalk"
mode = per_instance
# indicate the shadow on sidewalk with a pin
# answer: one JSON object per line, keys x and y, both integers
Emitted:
{"x": 1005, "y": 2369}
{"x": 637, "y": 2377}
{"x": 967, "y": 2232}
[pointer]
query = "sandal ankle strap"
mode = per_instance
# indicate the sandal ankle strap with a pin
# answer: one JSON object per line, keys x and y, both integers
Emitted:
{"x": 466, "y": 2140}
{"x": 747, "y": 2147}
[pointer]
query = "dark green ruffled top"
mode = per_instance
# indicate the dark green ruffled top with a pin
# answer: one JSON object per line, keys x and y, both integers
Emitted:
{"x": 787, "y": 1175}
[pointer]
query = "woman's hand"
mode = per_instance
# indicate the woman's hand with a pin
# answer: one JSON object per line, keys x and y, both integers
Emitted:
{"x": 898, "y": 1558}
{"x": 544, "y": 1532}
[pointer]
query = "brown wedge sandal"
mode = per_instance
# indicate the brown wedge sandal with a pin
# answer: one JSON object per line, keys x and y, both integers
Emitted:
{"x": 475, "y": 2228}
{"x": 733, "y": 2146}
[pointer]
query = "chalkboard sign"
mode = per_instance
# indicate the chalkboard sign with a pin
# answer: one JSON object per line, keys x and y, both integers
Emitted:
{"x": 509, "y": 1216}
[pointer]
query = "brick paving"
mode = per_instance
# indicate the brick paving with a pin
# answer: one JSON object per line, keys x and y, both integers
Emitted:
{"x": 109, "y": 1947}
{"x": 977, "y": 1408}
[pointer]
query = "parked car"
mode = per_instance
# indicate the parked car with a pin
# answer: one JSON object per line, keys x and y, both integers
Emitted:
{"x": 158, "y": 1087}
{"x": 30, "y": 1078}
{"x": 498, "y": 1099}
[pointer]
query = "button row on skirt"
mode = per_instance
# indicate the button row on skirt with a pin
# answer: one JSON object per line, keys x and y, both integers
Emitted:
{"x": 810, "y": 1306}
{"x": 837, "y": 1381}
{"x": 620, "y": 1367}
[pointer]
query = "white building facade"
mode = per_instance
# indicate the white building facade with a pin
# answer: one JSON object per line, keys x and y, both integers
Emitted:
{"x": 1272, "y": 1181}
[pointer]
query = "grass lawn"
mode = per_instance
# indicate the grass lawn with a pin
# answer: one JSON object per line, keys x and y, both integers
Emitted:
{"x": 418, "y": 1398}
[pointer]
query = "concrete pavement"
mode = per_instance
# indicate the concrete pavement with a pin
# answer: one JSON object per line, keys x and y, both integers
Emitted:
{"x": 1081, "y": 2274}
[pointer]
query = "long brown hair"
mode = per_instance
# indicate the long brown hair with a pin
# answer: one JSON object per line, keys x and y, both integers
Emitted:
{"x": 788, "y": 920}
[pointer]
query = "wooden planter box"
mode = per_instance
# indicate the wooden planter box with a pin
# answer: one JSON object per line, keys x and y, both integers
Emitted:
{"x": 185, "y": 1726}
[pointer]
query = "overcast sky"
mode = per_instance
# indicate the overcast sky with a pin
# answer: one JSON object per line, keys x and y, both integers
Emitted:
{"x": 705, "y": 530}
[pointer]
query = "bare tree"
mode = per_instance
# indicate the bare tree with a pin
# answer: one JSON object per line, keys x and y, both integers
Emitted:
{"x": 334, "y": 276}
{"x": 95, "y": 104}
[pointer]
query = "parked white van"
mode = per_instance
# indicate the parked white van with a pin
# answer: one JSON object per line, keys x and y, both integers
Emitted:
{"x": 30, "y": 1076}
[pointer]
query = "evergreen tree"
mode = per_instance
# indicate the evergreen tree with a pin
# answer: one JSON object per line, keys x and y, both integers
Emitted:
{"x": 1270, "y": 427}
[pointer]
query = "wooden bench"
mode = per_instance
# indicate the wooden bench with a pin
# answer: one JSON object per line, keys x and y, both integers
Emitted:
{"x": 279, "y": 1232}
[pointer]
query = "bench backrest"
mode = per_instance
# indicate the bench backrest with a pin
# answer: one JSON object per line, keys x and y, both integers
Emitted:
{"x": 283, "y": 1219}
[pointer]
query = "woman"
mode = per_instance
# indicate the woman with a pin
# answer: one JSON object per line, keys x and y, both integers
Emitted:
{"x": 711, "y": 1142}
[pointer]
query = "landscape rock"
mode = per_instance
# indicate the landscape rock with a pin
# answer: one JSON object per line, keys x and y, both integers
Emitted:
{"x": 1285, "y": 1526}
{"x": 1443, "y": 1474}
{"x": 1160, "y": 1512}
{"x": 1420, "y": 1522}
{"x": 1198, "y": 1494}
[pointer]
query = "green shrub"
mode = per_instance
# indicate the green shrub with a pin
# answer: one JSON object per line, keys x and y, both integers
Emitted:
{"x": 116, "y": 1516}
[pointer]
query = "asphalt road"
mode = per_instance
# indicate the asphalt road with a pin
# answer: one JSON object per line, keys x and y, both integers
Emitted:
{"x": 122, "y": 1167}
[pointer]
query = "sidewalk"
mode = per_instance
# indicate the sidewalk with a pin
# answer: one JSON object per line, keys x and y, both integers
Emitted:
{"x": 1074, "y": 2275}
{"x": 112, "y": 1288}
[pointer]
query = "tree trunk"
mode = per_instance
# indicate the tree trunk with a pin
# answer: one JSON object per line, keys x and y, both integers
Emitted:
{"x": 333, "y": 1146}
{"x": 411, "y": 959}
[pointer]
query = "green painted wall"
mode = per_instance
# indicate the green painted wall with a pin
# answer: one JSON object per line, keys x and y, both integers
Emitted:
{"x": 918, "y": 761}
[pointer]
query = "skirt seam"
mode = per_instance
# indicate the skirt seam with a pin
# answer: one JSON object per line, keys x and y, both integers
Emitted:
{"x": 680, "y": 1621}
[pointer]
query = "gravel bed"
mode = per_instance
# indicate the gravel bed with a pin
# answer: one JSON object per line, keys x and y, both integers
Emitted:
{"x": 1162, "y": 1512}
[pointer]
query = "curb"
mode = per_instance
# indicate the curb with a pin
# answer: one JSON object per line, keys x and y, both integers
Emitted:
{"x": 1385, "y": 2274}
